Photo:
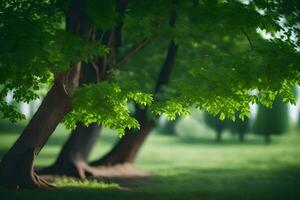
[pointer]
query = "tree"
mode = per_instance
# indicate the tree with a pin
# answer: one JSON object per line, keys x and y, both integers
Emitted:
{"x": 272, "y": 121}
{"x": 240, "y": 128}
{"x": 16, "y": 168}
{"x": 73, "y": 157}
{"x": 126, "y": 149}
{"x": 169, "y": 127}
{"x": 219, "y": 78}
{"x": 215, "y": 123}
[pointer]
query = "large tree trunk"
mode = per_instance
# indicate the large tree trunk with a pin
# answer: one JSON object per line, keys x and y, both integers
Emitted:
{"x": 16, "y": 167}
{"x": 127, "y": 147}
{"x": 72, "y": 160}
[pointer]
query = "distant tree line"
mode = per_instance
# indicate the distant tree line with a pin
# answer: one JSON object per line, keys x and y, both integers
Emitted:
{"x": 268, "y": 122}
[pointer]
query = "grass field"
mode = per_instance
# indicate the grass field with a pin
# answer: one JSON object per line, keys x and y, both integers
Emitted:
{"x": 183, "y": 168}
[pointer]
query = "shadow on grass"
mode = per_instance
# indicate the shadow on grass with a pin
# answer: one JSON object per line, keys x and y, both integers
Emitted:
{"x": 225, "y": 184}
{"x": 190, "y": 184}
{"x": 65, "y": 193}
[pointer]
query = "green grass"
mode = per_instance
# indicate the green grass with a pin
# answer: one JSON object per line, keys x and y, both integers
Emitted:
{"x": 184, "y": 168}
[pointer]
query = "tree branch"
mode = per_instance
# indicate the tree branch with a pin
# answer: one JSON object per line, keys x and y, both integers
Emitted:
{"x": 248, "y": 38}
{"x": 96, "y": 68}
{"x": 131, "y": 52}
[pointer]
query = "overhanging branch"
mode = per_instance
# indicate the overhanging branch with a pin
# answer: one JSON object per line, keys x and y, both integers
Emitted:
{"x": 248, "y": 38}
{"x": 131, "y": 52}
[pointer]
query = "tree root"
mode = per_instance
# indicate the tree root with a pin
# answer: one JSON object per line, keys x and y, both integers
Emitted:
{"x": 19, "y": 174}
{"x": 40, "y": 183}
{"x": 78, "y": 170}
{"x": 82, "y": 171}
{"x": 28, "y": 182}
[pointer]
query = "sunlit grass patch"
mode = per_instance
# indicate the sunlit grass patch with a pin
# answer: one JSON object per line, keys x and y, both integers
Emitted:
{"x": 90, "y": 184}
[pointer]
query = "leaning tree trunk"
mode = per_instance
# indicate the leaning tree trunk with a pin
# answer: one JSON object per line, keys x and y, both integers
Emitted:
{"x": 126, "y": 149}
{"x": 72, "y": 160}
{"x": 73, "y": 156}
{"x": 16, "y": 167}
{"x": 128, "y": 146}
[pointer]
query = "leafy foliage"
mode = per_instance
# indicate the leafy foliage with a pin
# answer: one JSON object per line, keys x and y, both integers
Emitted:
{"x": 272, "y": 121}
{"x": 224, "y": 62}
{"x": 106, "y": 103}
{"x": 34, "y": 46}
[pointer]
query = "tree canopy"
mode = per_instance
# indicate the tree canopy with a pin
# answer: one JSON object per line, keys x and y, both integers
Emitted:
{"x": 225, "y": 61}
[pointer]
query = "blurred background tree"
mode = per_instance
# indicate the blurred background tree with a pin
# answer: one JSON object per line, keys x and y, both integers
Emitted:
{"x": 239, "y": 127}
{"x": 271, "y": 121}
{"x": 167, "y": 127}
{"x": 216, "y": 124}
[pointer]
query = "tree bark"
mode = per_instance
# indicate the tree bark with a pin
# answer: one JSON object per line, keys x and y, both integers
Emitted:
{"x": 72, "y": 160}
{"x": 127, "y": 147}
{"x": 16, "y": 167}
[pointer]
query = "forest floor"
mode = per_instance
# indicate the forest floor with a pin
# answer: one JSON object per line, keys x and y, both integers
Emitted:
{"x": 181, "y": 168}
